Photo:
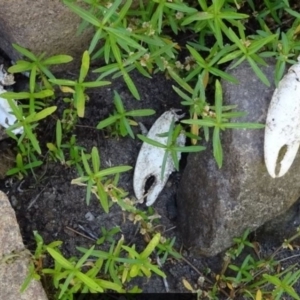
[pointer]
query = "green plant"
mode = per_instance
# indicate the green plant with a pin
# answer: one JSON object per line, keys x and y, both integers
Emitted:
{"x": 219, "y": 120}
{"x": 36, "y": 265}
{"x": 108, "y": 235}
{"x": 96, "y": 180}
{"x": 135, "y": 264}
{"x": 120, "y": 119}
{"x": 79, "y": 86}
{"x": 56, "y": 150}
{"x": 37, "y": 66}
{"x": 256, "y": 277}
{"x": 21, "y": 168}
{"x": 81, "y": 281}
{"x": 215, "y": 18}
{"x": 28, "y": 123}
{"x": 74, "y": 157}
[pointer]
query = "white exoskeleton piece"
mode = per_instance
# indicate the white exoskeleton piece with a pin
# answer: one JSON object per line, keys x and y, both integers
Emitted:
{"x": 6, "y": 117}
{"x": 150, "y": 159}
{"x": 282, "y": 132}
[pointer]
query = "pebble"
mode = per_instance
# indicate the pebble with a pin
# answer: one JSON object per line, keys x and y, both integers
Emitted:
{"x": 89, "y": 216}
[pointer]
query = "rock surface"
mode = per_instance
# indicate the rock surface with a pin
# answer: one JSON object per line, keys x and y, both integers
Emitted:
{"x": 216, "y": 205}
{"x": 46, "y": 26}
{"x": 14, "y": 258}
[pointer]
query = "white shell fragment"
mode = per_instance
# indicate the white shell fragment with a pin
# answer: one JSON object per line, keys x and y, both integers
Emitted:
{"x": 149, "y": 161}
{"x": 282, "y": 132}
{"x": 5, "y": 78}
{"x": 6, "y": 117}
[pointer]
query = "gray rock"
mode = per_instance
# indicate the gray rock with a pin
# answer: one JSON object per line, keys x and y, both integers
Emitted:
{"x": 282, "y": 227}
{"x": 14, "y": 258}
{"x": 46, "y": 26}
{"x": 216, "y": 205}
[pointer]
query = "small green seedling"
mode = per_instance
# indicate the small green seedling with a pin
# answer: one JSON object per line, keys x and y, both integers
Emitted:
{"x": 21, "y": 168}
{"x": 96, "y": 179}
{"x": 78, "y": 87}
{"x": 38, "y": 64}
{"x": 55, "y": 149}
{"x": 120, "y": 120}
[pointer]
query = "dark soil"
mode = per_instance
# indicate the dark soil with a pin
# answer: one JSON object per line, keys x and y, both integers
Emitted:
{"x": 49, "y": 204}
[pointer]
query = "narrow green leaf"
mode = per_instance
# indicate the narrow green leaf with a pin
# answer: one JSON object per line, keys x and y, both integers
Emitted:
{"x": 58, "y": 133}
{"x": 89, "y": 17}
{"x": 108, "y": 121}
{"x": 243, "y": 125}
{"x": 150, "y": 141}
{"x": 181, "y": 7}
{"x": 80, "y": 101}
{"x": 43, "y": 94}
{"x": 84, "y": 258}
{"x": 217, "y": 147}
{"x": 112, "y": 10}
{"x": 25, "y": 52}
{"x": 112, "y": 170}
{"x": 127, "y": 127}
{"x": 44, "y": 113}
{"x": 151, "y": 246}
{"x": 93, "y": 84}
{"x": 140, "y": 113}
{"x": 85, "y": 163}
{"x": 95, "y": 160}
{"x": 204, "y": 122}
{"x": 12, "y": 95}
{"x": 189, "y": 149}
{"x": 94, "y": 42}
{"x": 118, "y": 103}
{"x": 20, "y": 66}
{"x": 130, "y": 84}
{"x": 63, "y": 82}
{"x": 180, "y": 81}
{"x": 89, "y": 282}
{"x": 85, "y": 65}
{"x": 60, "y": 259}
{"x": 102, "y": 196}
{"x": 218, "y": 101}
{"x": 199, "y": 16}
{"x": 58, "y": 59}
{"x": 258, "y": 72}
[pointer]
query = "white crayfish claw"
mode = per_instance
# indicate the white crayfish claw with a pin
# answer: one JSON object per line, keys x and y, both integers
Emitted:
{"x": 282, "y": 132}
{"x": 150, "y": 159}
{"x": 6, "y": 117}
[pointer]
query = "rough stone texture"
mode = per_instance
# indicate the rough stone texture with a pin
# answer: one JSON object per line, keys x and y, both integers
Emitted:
{"x": 216, "y": 205}
{"x": 282, "y": 227}
{"x": 42, "y": 26}
{"x": 14, "y": 258}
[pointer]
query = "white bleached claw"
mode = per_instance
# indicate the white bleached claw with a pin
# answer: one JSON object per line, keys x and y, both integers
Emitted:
{"x": 282, "y": 132}
{"x": 149, "y": 161}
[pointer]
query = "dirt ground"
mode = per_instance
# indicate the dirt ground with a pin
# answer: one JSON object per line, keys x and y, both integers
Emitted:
{"x": 48, "y": 203}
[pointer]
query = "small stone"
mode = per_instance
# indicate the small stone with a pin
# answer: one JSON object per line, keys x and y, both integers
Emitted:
{"x": 89, "y": 216}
